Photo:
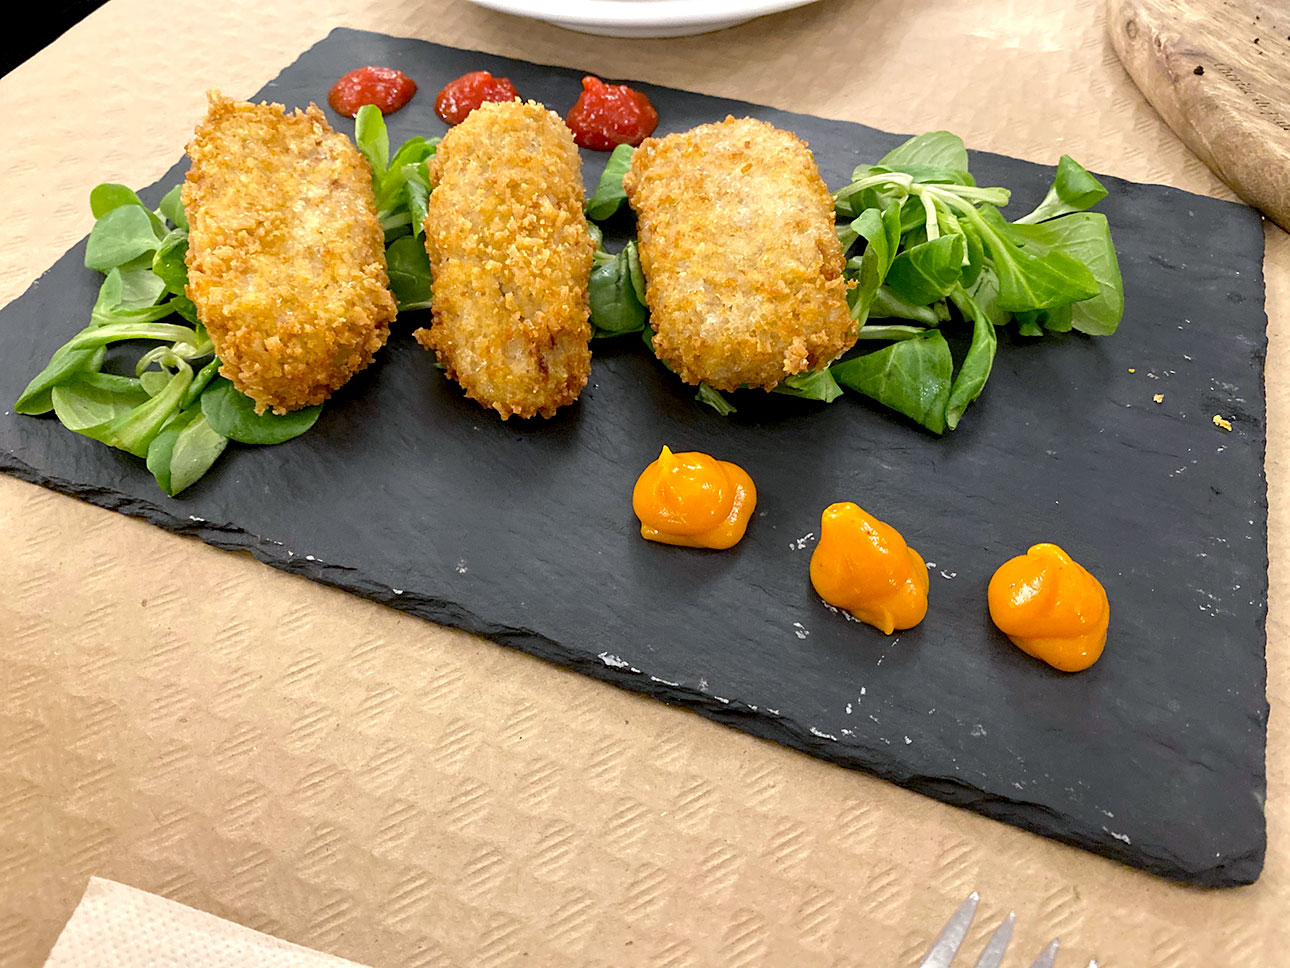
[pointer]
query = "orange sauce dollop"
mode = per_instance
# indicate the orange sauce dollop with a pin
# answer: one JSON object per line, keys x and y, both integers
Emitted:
{"x": 694, "y": 501}
{"x": 1051, "y": 608}
{"x": 864, "y": 566}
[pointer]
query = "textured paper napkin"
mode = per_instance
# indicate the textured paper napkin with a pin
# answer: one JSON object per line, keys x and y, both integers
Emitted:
{"x": 358, "y": 781}
{"x": 116, "y": 926}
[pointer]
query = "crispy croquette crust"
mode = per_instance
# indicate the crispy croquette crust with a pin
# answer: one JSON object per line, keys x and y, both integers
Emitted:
{"x": 510, "y": 256}
{"x": 286, "y": 258}
{"x": 743, "y": 270}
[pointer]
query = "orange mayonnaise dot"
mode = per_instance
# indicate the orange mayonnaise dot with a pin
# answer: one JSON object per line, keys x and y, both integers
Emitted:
{"x": 694, "y": 501}
{"x": 1051, "y": 608}
{"x": 864, "y": 566}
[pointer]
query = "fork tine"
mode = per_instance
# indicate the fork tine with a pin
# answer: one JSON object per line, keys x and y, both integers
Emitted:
{"x": 992, "y": 955}
{"x": 1048, "y": 957}
{"x": 946, "y": 946}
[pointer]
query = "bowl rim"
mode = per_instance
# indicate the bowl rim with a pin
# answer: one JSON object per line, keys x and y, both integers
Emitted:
{"x": 640, "y": 13}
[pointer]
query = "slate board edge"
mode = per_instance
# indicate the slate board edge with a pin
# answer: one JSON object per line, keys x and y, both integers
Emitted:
{"x": 1238, "y": 870}
{"x": 1033, "y": 817}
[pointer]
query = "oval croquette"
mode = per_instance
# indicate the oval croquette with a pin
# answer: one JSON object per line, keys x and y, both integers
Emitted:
{"x": 743, "y": 269}
{"x": 510, "y": 256}
{"x": 286, "y": 258}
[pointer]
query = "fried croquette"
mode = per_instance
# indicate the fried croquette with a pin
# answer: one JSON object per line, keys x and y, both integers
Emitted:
{"x": 286, "y": 258}
{"x": 510, "y": 256}
{"x": 743, "y": 270}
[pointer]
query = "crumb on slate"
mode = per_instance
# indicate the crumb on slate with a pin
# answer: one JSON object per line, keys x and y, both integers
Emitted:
{"x": 1158, "y": 398}
{"x": 1132, "y": 370}
{"x": 1221, "y": 423}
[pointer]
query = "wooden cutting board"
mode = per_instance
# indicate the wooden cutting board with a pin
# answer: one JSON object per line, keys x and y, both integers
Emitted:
{"x": 1218, "y": 71}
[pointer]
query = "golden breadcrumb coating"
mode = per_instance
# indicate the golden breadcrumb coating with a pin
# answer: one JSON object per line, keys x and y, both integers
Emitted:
{"x": 743, "y": 270}
{"x": 286, "y": 258}
{"x": 510, "y": 256}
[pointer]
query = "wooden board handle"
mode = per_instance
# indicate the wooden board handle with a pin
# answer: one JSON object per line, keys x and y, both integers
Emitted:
{"x": 1219, "y": 74}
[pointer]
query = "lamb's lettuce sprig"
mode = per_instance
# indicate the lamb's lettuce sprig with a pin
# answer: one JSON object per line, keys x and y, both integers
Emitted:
{"x": 928, "y": 249}
{"x": 161, "y": 412}
{"x": 402, "y": 187}
{"x": 174, "y": 411}
{"x": 609, "y": 196}
{"x": 937, "y": 250}
{"x": 617, "y": 286}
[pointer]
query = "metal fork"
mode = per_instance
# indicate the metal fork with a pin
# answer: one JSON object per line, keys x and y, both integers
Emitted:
{"x": 947, "y": 945}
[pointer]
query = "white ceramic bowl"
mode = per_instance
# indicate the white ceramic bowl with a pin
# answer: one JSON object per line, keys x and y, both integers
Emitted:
{"x": 642, "y": 18}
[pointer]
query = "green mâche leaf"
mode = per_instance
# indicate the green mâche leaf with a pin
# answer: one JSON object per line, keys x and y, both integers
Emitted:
{"x": 122, "y": 234}
{"x": 812, "y": 385}
{"x": 232, "y": 414}
{"x": 911, "y": 377}
{"x": 409, "y": 270}
{"x": 616, "y": 306}
{"x": 1073, "y": 190}
{"x": 183, "y": 451}
{"x": 609, "y": 195}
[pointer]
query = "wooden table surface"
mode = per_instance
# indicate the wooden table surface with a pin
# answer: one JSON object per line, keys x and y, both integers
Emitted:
{"x": 352, "y": 779}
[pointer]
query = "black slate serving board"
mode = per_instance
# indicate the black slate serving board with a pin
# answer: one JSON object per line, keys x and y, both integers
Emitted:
{"x": 408, "y": 494}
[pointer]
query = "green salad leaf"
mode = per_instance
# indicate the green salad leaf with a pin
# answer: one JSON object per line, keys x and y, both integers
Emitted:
{"x": 887, "y": 305}
{"x": 709, "y": 397}
{"x": 175, "y": 411}
{"x": 117, "y": 410}
{"x": 401, "y": 183}
{"x": 1073, "y": 190}
{"x": 932, "y": 149}
{"x": 812, "y": 385}
{"x": 168, "y": 268}
{"x": 616, "y": 292}
{"x": 62, "y": 366}
{"x": 931, "y": 255}
{"x": 609, "y": 195}
{"x": 409, "y": 269}
{"x": 172, "y": 208}
{"x": 958, "y": 268}
{"x": 200, "y": 382}
{"x": 184, "y": 450}
{"x": 926, "y": 272}
{"x": 123, "y": 234}
{"x": 134, "y": 431}
{"x": 912, "y": 376}
{"x": 87, "y": 401}
{"x": 107, "y": 196}
{"x": 1028, "y": 280}
{"x": 1086, "y": 238}
{"x": 372, "y": 139}
{"x": 976, "y": 365}
{"x": 634, "y": 270}
{"x": 881, "y": 230}
{"x": 233, "y": 414}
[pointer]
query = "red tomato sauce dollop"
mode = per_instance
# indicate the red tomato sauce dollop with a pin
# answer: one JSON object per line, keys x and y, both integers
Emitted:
{"x": 458, "y": 98}
{"x": 385, "y": 87}
{"x": 608, "y": 115}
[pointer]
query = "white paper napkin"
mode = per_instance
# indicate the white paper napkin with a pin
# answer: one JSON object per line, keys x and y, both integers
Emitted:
{"x": 116, "y": 926}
